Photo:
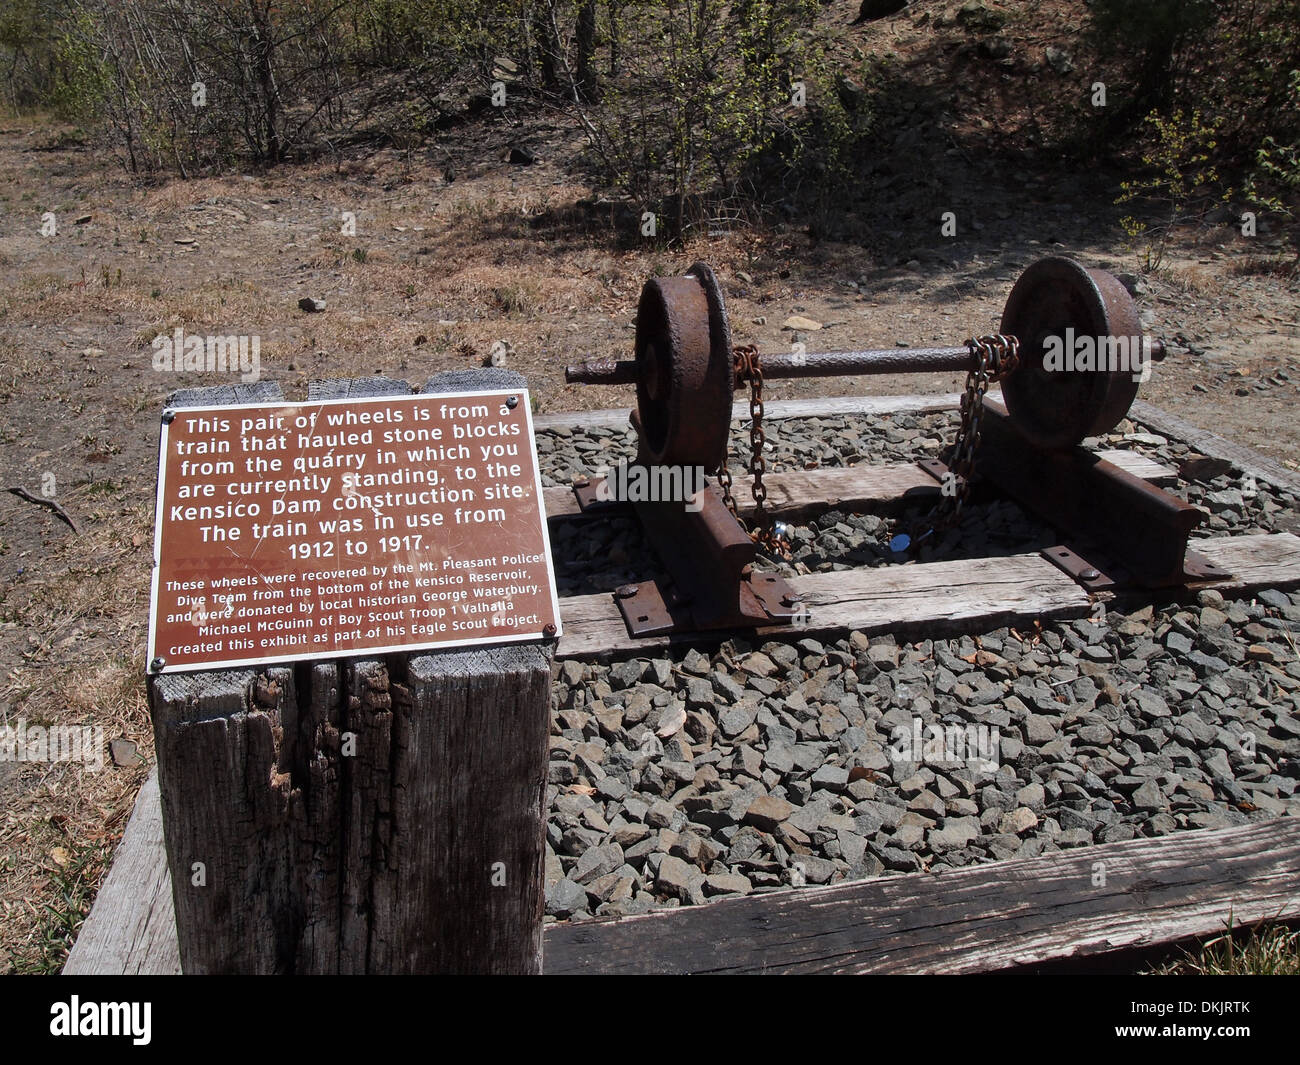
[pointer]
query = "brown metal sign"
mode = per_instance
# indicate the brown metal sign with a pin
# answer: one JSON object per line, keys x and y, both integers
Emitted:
{"x": 346, "y": 527}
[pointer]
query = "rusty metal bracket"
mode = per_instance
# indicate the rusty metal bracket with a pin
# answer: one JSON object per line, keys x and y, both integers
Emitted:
{"x": 709, "y": 559}
{"x": 936, "y": 468}
{"x": 646, "y": 612}
{"x": 1200, "y": 569}
{"x": 1143, "y": 529}
{"x": 587, "y": 494}
{"x": 1078, "y": 567}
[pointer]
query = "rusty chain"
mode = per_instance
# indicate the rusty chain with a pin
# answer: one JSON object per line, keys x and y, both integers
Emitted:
{"x": 995, "y": 358}
{"x": 749, "y": 368}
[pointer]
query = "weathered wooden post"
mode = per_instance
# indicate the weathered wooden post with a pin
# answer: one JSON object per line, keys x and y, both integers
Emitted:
{"x": 363, "y": 815}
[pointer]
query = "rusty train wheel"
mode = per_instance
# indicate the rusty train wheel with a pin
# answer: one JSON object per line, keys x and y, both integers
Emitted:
{"x": 1055, "y": 407}
{"x": 685, "y": 375}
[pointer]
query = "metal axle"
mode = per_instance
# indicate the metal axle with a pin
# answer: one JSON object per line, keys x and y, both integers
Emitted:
{"x": 790, "y": 365}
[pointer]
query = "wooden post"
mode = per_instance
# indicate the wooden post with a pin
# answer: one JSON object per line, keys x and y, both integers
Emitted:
{"x": 358, "y": 816}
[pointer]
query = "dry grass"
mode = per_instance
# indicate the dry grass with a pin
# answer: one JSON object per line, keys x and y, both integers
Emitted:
{"x": 1268, "y": 950}
{"x": 73, "y": 646}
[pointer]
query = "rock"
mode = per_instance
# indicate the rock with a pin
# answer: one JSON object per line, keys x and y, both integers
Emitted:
{"x": 1149, "y": 704}
{"x": 725, "y": 686}
{"x": 904, "y": 861}
{"x": 955, "y": 834}
{"x": 1059, "y": 60}
{"x": 759, "y": 664}
{"x": 736, "y": 719}
{"x": 565, "y": 898}
{"x": 1095, "y": 735}
{"x": 624, "y": 674}
{"x": 1212, "y": 619}
{"x": 1039, "y": 730}
{"x": 123, "y": 753}
{"x": 805, "y": 325}
{"x": 1148, "y": 797}
{"x": 672, "y": 721}
{"x": 852, "y": 846}
{"x": 1070, "y": 819}
{"x": 870, "y": 816}
{"x": 833, "y": 778}
{"x": 977, "y": 15}
{"x": 687, "y": 846}
{"x": 521, "y": 156}
{"x": 727, "y": 884}
{"x": 766, "y": 812}
{"x": 884, "y": 656}
{"x": 1018, "y": 821}
{"x": 812, "y": 870}
{"x": 311, "y": 305}
{"x": 612, "y": 887}
{"x": 809, "y": 818}
{"x": 661, "y": 814}
{"x": 674, "y": 877}
{"x": 928, "y": 804}
{"x": 695, "y": 662}
{"x": 630, "y": 834}
{"x": 1074, "y": 837}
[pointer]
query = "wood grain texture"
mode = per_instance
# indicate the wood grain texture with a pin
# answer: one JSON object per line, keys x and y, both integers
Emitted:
{"x": 131, "y": 930}
{"x": 359, "y": 816}
{"x": 975, "y": 919}
{"x": 855, "y": 488}
{"x": 937, "y": 598}
{"x": 1246, "y": 459}
{"x": 1265, "y": 560}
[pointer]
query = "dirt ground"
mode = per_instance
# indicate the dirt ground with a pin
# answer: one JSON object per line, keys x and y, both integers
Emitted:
{"x": 437, "y": 271}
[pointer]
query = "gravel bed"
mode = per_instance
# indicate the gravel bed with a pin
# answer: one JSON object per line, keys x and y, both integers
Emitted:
{"x": 599, "y": 556}
{"x": 691, "y": 775}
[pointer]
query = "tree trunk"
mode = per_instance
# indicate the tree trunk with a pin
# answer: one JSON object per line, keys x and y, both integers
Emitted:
{"x": 588, "y": 83}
